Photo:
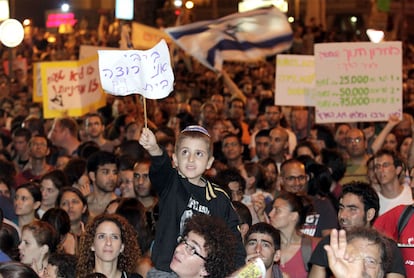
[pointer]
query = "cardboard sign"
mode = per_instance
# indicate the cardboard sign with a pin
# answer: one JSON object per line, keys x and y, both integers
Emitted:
{"x": 357, "y": 82}
{"x": 71, "y": 88}
{"x": 144, "y": 72}
{"x": 295, "y": 80}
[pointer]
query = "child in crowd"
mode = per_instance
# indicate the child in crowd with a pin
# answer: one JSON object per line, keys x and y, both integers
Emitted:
{"x": 183, "y": 191}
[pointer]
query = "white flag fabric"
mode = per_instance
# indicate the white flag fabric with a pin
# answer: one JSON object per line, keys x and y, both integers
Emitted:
{"x": 144, "y": 72}
{"x": 241, "y": 36}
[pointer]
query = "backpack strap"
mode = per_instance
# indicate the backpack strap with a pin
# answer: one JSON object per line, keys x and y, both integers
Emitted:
{"x": 404, "y": 218}
{"x": 306, "y": 250}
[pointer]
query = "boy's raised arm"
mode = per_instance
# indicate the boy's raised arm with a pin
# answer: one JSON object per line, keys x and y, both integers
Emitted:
{"x": 149, "y": 142}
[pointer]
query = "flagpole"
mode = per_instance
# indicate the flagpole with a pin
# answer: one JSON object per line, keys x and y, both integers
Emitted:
{"x": 145, "y": 112}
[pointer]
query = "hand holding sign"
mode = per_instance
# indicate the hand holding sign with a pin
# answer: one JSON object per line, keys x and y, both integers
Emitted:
{"x": 144, "y": 72}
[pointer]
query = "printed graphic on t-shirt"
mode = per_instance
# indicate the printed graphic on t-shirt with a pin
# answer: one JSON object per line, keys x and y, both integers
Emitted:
{"x": 311, "y": 222}
{"x": 192, "y": 206}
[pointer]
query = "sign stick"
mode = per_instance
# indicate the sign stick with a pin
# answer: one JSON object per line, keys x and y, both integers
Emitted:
{"x": 145, "y": 111}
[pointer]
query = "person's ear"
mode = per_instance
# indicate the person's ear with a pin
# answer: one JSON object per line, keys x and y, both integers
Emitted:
{"x": 203, "y": 272}
{"x": 175, "y": 160}
{"x": 276, "y": 256}
{"x": 370, "y": 214}
{"x": 44, "y": 249}
{"x": 244, "y": 228}
{"x": 122, "y": 248}
{"x": 398, "y": 170}
{"x": 92, "y": 176}
{"x": 92, "y": 248}
{"x": 210, "y": 162}
{"x": 37, "y": 204}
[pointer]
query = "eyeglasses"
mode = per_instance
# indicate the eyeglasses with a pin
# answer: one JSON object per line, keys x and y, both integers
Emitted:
{"x": 191, "y": 250}
{"x": 137, "y": 176}
{"x": 383, "y": 165}
{"x": 293, "y": 178}
{"x": 370, "y": 262}
{"x": 354, "y": 140}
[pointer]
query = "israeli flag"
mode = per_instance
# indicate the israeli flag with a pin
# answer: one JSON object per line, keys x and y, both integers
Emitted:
{"x": 239, "y": 37}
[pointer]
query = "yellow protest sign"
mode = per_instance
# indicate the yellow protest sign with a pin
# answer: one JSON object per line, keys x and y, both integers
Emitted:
{"x": 71, "y": 88}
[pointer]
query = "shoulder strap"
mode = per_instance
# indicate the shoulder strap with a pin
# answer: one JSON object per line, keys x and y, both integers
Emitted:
{"x": 306, "y": 251}
{"x": 404, "y": 217}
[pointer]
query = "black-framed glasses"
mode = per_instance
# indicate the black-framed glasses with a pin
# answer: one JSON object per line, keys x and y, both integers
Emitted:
{"x": 191, "y": 250}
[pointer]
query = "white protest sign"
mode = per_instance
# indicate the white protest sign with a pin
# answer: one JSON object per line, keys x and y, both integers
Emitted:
{"x": 295, "y": 80}
{"x": 144, "y": 72}
{"x": 358, "y": 81}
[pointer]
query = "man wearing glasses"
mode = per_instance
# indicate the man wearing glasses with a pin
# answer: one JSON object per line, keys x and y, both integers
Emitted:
{"x": 388, "y": 167}
{"x": 295, "y": 180}
{"x": 356, "y": 147}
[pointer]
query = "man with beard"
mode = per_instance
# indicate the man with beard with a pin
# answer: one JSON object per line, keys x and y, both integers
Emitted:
{"x": 358, "y": 207}
{"x": 103, "y": 172}
{"x": 263, "y": 241}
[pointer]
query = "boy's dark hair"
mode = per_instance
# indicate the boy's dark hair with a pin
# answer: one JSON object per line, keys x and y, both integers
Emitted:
{"x": 98, "y": 159}
{"x": 125, "y": 162}
{"x": 366, "y": 193}
{"x": 398, "y": 162}
{"x": 265, "y": 228}
{"x": 66, "y": 264}
{"x": 220, "y": 243}
{"x": 263, "y": 133}
{"x": 22, "y": 132}
{"x": 224, "y": 177}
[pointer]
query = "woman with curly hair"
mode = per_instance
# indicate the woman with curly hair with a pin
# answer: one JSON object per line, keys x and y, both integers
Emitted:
{"x": 206, "y": 249}
{"x": 109, "y": 246}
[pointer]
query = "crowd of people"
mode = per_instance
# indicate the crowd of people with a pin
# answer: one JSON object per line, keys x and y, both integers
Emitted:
{"x": 217, "y": 177}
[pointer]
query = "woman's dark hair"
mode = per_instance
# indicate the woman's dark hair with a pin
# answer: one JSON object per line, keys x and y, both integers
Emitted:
{"x": 57, "y": 177}
{"x": 78, "y": 193}
{"x": 34, "y": 190}
{"x": 335, "y": 161}
{"x": 59, "y": 219}
{"x": 305, "y": 144}
{"x": 16, "y": 270}
{"x": 126, "y": 260}
{"x": 300, "y": 204}
{"x": 134, "y": 212}
{"x": 326, "y": 135}
{"x": 86, "y": 149}
{"x": 74, "y": 169}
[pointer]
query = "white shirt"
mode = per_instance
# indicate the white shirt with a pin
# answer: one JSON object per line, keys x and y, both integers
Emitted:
{"x": 405, "y": 198}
